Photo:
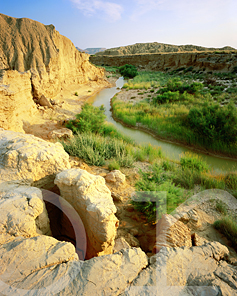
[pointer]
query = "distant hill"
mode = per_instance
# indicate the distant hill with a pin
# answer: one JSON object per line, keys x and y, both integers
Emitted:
{"x": 156, "y": 47}
{"x": 91, "y": 50}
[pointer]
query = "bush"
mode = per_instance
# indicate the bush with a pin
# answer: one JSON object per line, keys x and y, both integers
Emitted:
{"x": 96, "y": 149}
{"x": 228, "y": 226}
{"x": 231, "y": 181}
{"x": 166, "y": 97}
{"x": 193, "y": 162}
{"x": 113, "y": 165}
{"x": 214, "y": 123}
{"x": 159, "y": 192}
{"x": 128, "y": 71}
{"x": 91, "y": 119}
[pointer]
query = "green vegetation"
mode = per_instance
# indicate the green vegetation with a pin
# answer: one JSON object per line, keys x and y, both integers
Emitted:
{"x": 128, "y": 71}
{"x": 213, "y": 123}
{"x": 76, "y": 94}
{"x": 178, "y": 181}
{"x": 194, "y": 108}
{"x": 186, "y": 112}
{"x": 98, "y": 142}
{"x": 193, "y": 162}
{"x": 228, "y": 226}
{"x": 153, "y": 183}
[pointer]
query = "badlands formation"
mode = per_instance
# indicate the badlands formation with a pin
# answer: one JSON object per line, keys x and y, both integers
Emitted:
{"x": 36, "y": 60}
{"x": 74, "y": 238}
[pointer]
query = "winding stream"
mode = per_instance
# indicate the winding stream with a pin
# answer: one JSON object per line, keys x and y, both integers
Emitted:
{"x": 171, "y": 150}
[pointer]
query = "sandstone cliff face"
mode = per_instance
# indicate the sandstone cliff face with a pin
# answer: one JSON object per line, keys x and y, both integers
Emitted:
{"x": 51, "y": 58}
{"x": 36, "y": 60}
{"x": 16, "y": 102}
{"x": 170, "y": 61}
{"x": 156, "y": 47}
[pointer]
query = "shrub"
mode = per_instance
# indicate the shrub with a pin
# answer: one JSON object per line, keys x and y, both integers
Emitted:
{"x": 228, "y": 226}
{"x": 96, "y": 149}
{"x": 166, "y": 97}
{"x": 113, "y": 165}
{"x": 193, "y": 162}
{"x": 91, "y": 119}
{"x": 213, "y": 122}
{"x": 231, "y": 181}
{"x": 128, "y": 71}
{"x": 159, "y": 192}
{"x": 76, "y": 94}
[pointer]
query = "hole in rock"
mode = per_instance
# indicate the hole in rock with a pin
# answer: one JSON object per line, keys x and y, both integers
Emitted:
{"x": 66, "y": 224}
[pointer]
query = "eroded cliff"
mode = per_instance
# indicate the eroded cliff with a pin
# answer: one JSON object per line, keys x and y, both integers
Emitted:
{"x": 51, "y": 61}
{"x": 206, "y": 61}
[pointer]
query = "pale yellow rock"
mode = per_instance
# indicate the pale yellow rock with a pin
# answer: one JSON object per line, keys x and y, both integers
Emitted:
{"x": 120, "y": 243}
{"x": 16, "y": 103}
{"x": 60, "y": 133}
{"x": 25, "y": 157}
{"x": 23, "y": 256}
{"x": 52, "y": 63}
{"x": 22, "y": 211}
{"x": 186, "y": 271}
{"x": 115, "y": 177}
{"x": 92, "y": 200}
{"x": 171, "y": 233}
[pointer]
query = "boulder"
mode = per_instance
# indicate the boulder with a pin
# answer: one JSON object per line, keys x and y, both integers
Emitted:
{"x": 43, "y": 101}
{"x": 119, "y": 244}
{"x": 22, "y": 257}
{"x": 22, "y": 212}
{"x": 92, "y": 200}
{"x": 29, "y": 159}
{"x": 115, "y": 177}
{"x": 60, "y": 133}
{"x": 187, "y": 271}
{"x": 171, "y": 233}
{"x": 105, "y": 275}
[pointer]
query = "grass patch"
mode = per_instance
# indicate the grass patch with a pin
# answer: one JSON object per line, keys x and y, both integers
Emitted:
{"x": 188, "y": 109}
{"x": 228, "y": 226}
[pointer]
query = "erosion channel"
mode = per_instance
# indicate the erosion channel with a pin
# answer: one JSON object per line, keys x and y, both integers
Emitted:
{"x": 171, "y": 150}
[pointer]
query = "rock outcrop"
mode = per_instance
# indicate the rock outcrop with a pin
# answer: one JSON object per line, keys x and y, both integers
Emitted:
{"x": 187, "y": 271}
{"x": 16, "y": 102}
{"x": 51, "y": 58}
{"x": 115, "y": 177}
{"x": 47, "y": 63}
{"x": 28, "y": 159}
{"x": 32, "y": 263}
{"x": 171, "y": 233}
{"x": 92, "y": 200}
{"x": 156, "y": 47}
{"x": 205, "y": 61}
{"x": 22, "y": 212}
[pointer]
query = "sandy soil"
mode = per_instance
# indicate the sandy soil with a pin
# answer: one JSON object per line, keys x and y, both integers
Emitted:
{"x": 67, "y": 106}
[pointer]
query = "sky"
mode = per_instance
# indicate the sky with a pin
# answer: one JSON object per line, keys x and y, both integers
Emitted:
{"x": 112, "y": 23}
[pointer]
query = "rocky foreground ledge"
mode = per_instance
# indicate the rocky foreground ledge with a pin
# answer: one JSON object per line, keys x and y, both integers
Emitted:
{"x": 32, "y": 262}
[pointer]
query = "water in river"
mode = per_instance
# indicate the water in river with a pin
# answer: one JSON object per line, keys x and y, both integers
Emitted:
{"x": 171, "y": 150}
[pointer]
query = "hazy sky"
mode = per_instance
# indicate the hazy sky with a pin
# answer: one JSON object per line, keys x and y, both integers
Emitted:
{"x": 112, "y": 23}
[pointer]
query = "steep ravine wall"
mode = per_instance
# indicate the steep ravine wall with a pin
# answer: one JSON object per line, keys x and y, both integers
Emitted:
{"x": 16, "y": 104}
{"x": 36, "y": 60}
{"x": 51, "y": 58}
{"x": 209, "y": 61}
